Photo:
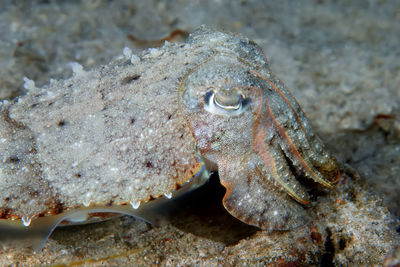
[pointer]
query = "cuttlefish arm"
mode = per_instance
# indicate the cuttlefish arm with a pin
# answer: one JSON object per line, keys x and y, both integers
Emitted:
{"x": 296, "y": 138}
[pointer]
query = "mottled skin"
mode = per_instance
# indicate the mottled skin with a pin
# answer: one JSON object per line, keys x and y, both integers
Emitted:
{"x": 130, "y": 133}
{"x": 251, "y": 129}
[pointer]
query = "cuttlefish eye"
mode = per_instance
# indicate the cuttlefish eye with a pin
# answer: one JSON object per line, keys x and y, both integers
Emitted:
{"x": 228, "y": 102}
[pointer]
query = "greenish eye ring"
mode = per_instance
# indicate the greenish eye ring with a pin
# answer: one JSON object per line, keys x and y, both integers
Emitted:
{"x": 225, "y": 102}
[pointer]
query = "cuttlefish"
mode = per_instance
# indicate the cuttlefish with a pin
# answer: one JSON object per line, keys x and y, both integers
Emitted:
{"x": 123, "y": 137}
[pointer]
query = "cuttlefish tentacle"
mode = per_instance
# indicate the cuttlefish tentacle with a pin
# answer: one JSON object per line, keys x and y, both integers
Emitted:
{"x": 254, "y": 199}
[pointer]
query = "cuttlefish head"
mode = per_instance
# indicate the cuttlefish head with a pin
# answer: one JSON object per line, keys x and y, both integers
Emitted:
{"x": 250, "y": 129}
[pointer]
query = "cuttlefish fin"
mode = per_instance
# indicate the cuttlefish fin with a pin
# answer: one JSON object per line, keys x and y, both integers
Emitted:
{"x": 40, "y": 229}
{"x": 252, "y": 198}
{"x": 35, "y": 234}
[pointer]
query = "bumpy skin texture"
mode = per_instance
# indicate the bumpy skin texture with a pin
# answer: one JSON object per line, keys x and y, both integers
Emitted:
{"x": 110, "y": 136}
{"x": 133, "y": 132}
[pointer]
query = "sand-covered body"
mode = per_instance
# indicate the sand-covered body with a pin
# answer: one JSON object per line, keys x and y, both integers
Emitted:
{"x": 141, "y": 127}
{"x": 104, "y": 137}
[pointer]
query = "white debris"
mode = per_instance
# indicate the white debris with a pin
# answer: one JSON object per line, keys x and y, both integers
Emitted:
{"x": 154, "y": 53}
{"x": 29, "y": 84}
{"x": 86, "y": 202}
{"x": 168, "y": 195}
{"x": 76, "y": 68}
{"x": 127, "y": 52}
{"x": 135, "y": 59}
{"x": 26, "y": 221}
{"x": 135, "y": 204}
